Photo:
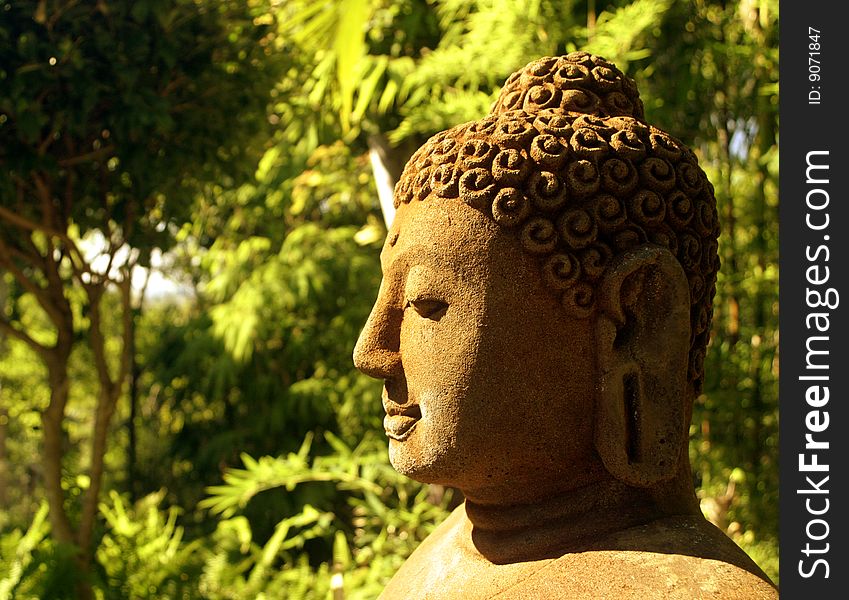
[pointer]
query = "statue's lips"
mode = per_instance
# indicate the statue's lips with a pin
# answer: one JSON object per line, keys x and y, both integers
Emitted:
{"x": 399, "y": 421}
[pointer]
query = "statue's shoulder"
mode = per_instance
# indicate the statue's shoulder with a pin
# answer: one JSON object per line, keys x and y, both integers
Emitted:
{"x": 682, "y": 557}
{"x": 438, "y": 560}
{"x": 638, "y": 574}
{"x": 676, "y": 558}
{"x": 685, "y": 536}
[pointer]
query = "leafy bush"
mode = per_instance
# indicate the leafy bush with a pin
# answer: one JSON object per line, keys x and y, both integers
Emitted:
{"x": 376, "y": 519}
{"x": 32, "y": 566}
{"x": 143, "y": 554}
{"x": 372, "y": 522}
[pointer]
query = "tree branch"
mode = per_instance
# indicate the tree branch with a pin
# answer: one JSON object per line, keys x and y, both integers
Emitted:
{"x": 24, "y": 337}
{"x": 127, "y": 327}
{"x": 41, "y": 295}
{"x": 96, "y": 339}
{"x": 87, "y": 157}
{"x": 77, "y": 260}
{"x": 22, "y": 222}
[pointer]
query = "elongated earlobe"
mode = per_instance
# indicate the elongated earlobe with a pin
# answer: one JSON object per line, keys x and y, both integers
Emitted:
{"x": 643, "y": 334}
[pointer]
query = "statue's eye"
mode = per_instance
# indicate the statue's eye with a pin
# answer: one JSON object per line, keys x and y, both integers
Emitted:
{"x": 429, "y": 308}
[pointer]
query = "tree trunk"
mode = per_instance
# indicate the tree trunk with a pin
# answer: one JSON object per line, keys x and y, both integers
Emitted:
{"x": 131, "y": 329}
{"x": 105, "y": 409}
{"x": 135, "y": 374}
{"x": 51, "y": 422}
{"x": 387, "y": 164}
{"x": 4, "y": 416}
{"x": 385, "y": 174}
{"x": 4, "y": 456}
{"x": 107, "y": 400}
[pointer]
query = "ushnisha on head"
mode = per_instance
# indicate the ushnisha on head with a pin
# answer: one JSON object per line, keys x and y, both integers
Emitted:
{"x": 566, "y": 161}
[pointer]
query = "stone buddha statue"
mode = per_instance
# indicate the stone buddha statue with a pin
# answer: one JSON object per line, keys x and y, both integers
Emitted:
{"x": 541, "y": 330}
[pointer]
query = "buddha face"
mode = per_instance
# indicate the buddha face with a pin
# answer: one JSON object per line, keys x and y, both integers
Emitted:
{"x": 488, "y": 384}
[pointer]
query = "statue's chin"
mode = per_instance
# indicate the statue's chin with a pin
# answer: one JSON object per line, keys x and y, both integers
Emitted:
{"x": 427, "y": 465}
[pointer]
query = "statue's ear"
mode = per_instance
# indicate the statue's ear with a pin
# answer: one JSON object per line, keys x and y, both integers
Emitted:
{"x": 643, "y": 337}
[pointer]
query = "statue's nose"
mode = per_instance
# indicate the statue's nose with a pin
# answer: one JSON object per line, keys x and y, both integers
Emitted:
{"x": 377, "y": 353}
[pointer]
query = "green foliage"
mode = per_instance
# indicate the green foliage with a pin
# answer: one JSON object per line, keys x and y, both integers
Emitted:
{"x": 17, "y": 552}
{"x": 493, "y": 37}
{"x": 32, "y": 567}
{"x": 140, "y": 94}
{"x": 112, "y": 119}
{"x": 377, "y": 519}
{"x": 266, "y": 357}
{"x": 251, "y": 571}
{"x": 267, "y": 473}
{"x": 372, "y": 522}
{"x": 143, "y": 554}
{"x": 624, "y": 35}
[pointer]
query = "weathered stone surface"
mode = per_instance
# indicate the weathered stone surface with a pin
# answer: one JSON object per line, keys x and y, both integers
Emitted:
{"x": 540, "y": 328}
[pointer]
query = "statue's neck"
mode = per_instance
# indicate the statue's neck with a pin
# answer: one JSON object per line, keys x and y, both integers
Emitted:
{"x": 570, "y": 521}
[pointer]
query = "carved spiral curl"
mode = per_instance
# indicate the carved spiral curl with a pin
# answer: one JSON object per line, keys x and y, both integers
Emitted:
{"x": 403, "y": 191}
{"x": 609, "y": 213}
{"x": 665, "y": 147}
{"x": 697, "y": 287}
{"x": 485, "y": 126}
{"x": 546, "y": 190}
{"x": 704, "y": 220}
{"x": 444, "y": 151}
{"x": 572, "y": 75}
{"x": 477, "y": 187}
{"x": 549, "y": 152}
{"x": 646, "y": 208}
{"x": 421, "y": 184}
{"x": 578, "y": 300}
{"x": 477, "y": 153}
{"x": 580, "y": 101}
{"x": 555, "y": 124}
{"x": 510, "y": 207}
{"x": 618, "y": 176}
{"x": 595, "y": 259}
{"x": 597, "y": 124}
{"x": 689, "y": 251}
{"x": 543, "y": 66}
{"x": 697, "y": 360}
{"x": 582, "y": 178}
{"x": 541, "y": 97}
{"x": 657, "y": 174}
{"x": 512, "y": 101}
{"x": 560, "y": 271}
{"x": 513, "y": 133}
{"x": 539, "y": 236}
{"x": 511, "y": 167}
{"x": 628, "y": 145}
{"x": 680, "y": 211}
{"x": 618, "y": 103}
{"x": 607, "y": 78}
{"x": 443, "y": 181}
{"x": 577, "y": 228}
{"x": 710, "y": 256}
{"x": 588, "y": 143}
{"x": 690, "y": 178}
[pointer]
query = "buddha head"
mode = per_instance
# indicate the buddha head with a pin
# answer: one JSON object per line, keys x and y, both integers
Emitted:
{"x": 546, "y": 295}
